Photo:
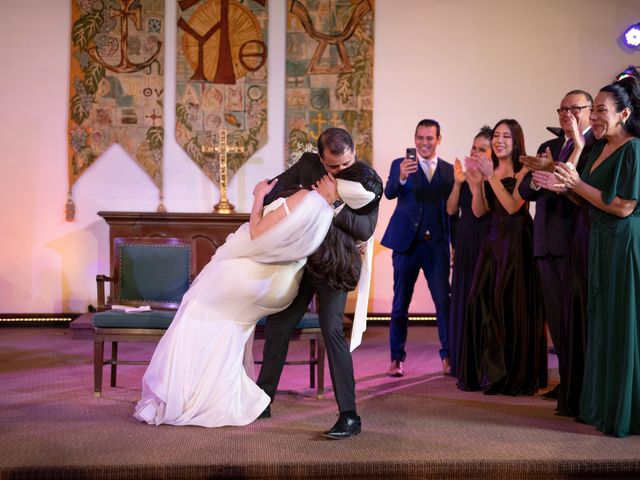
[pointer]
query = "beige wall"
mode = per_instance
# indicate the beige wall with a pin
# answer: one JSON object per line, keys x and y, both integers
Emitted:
{"x": 464, "y": 62}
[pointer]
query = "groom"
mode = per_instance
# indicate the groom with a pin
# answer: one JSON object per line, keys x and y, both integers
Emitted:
{"x": 336, "y": 152}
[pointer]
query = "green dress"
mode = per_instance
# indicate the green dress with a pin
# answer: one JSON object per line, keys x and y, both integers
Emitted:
{"x": 610, "y": 397}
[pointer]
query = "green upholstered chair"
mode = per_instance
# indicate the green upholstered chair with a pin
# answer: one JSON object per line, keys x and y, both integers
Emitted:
{"x": 157, "y": 272}
{"x": 145, "y": 271}
{"x": 308, "y": 328}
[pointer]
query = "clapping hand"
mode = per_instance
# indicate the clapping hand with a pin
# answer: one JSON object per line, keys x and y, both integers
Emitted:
{"x": 473, "y": 175}
{"x": 542, "y": 161}
{"x": 548, "y": 181}
{"x": 485, "y": 166}
{"x": 578, "y": 137}
{"x": 458, "y": 172}
{"x": 567, "y": 175}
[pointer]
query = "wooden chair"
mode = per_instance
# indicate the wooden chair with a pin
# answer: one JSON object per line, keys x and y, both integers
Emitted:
{"x": 307, "y": 328}
{"x": 146, "y": 271}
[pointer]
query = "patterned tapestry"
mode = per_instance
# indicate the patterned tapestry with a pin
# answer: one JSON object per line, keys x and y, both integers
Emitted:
{"x": 116, "y": 85}
{"x": 221, "y": 76}
{"x": 329, "y": 71}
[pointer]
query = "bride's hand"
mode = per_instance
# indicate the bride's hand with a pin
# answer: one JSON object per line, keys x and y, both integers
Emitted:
{"x": 263, "y": 188}
{"x": 328, "y": 188}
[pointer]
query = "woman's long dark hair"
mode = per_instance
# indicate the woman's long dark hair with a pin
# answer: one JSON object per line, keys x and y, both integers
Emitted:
{"x": 338, "y": 260}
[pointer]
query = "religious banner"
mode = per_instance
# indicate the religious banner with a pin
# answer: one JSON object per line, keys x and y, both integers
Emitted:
{"x": 116, "y": 85}
{"x": 221, "y": 76}
{"x": 329, "y": 71}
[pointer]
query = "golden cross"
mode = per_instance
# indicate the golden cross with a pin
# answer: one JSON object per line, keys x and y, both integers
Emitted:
{"x": 320, "y": 122}
{"x": 223, "y": 149}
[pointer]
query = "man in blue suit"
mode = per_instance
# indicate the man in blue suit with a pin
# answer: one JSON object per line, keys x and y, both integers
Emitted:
{"x": 419, "y": 235}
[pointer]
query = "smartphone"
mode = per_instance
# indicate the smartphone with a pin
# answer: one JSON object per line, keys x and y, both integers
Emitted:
{"x": 411, "y": 153}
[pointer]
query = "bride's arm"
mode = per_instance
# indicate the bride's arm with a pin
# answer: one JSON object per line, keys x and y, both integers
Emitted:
{"x": 260, "y": 223}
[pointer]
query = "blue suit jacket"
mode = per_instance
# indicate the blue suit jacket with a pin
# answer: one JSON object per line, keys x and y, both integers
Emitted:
{"x": 555, "y": 214}
{"x": 403, "y": 225}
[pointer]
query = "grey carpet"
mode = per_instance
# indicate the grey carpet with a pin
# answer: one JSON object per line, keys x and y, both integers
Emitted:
{"x": 418, "y": 426}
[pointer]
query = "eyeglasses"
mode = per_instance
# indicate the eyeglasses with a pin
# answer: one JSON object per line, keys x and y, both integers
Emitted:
{"x": 575, "y": 109}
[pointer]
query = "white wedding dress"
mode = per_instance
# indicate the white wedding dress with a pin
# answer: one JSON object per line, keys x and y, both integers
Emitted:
{"x": 196, "y": 375}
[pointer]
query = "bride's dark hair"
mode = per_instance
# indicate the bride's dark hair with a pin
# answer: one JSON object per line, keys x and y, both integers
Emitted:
{"x": 338, "y": 260}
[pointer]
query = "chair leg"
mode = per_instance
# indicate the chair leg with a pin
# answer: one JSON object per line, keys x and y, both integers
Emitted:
{"x": 321, "y": 352}
{"x": 313, "y": 359}
{"x": 98, "y": 357}
{"x": 114, "y": 364}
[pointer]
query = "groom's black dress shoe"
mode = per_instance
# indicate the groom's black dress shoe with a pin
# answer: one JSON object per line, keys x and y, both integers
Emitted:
{"x": 266, "y": 413}
{"x": 346, "y": 426}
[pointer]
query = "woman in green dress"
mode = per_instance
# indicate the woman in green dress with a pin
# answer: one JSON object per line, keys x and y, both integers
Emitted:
{"x": 610, "y": 182}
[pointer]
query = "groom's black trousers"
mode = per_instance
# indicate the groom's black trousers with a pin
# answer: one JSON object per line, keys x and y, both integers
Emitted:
{"x": 280, "y": 326}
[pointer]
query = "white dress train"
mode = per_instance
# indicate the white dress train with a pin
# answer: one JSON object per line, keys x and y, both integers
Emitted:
{"x": 196, "y": 375}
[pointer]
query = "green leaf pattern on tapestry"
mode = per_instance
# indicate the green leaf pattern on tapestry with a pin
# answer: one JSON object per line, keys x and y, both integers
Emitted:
{"x": 78, "y": 111}
{"x": 85, "y": 28}
{"x": 92, "y": 76}
{"x": 182, "y": 116}
{"x": 194, "y": 150}
{"x": 249, "y": 139}
{"x": 82, "y": 159}
{"x": 154, "y": 137}
{"x": 297, "y": 136}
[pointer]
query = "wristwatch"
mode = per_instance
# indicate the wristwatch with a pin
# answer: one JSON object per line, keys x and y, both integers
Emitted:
{"x": 337, "y": 203}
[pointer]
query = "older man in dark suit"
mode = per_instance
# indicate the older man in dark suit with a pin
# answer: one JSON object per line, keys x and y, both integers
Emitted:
{"x": 419, "y": 235}
{"x": 555, "y": 213}
{"x": 336, "y": 152}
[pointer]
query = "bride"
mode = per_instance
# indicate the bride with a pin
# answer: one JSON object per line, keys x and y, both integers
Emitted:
{"x": 196, "y": 375}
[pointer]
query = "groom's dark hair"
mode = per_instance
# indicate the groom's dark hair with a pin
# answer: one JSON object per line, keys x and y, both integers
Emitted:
{"x": 335, "y": 140}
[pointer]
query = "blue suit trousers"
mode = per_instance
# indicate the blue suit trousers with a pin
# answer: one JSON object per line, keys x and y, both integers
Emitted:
{"x": 433, "y": 257}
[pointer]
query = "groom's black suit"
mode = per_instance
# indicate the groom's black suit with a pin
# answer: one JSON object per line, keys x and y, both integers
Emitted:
{"x": 279, "y": 327}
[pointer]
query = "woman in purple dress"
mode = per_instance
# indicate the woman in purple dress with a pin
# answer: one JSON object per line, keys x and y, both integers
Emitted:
{"x": 505, "y": 343}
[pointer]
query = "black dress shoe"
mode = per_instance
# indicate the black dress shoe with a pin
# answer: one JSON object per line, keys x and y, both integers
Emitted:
{"x": 346, "y": 426}
{"x": 266, "y": 413}
{"x": 552, "y": 394}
